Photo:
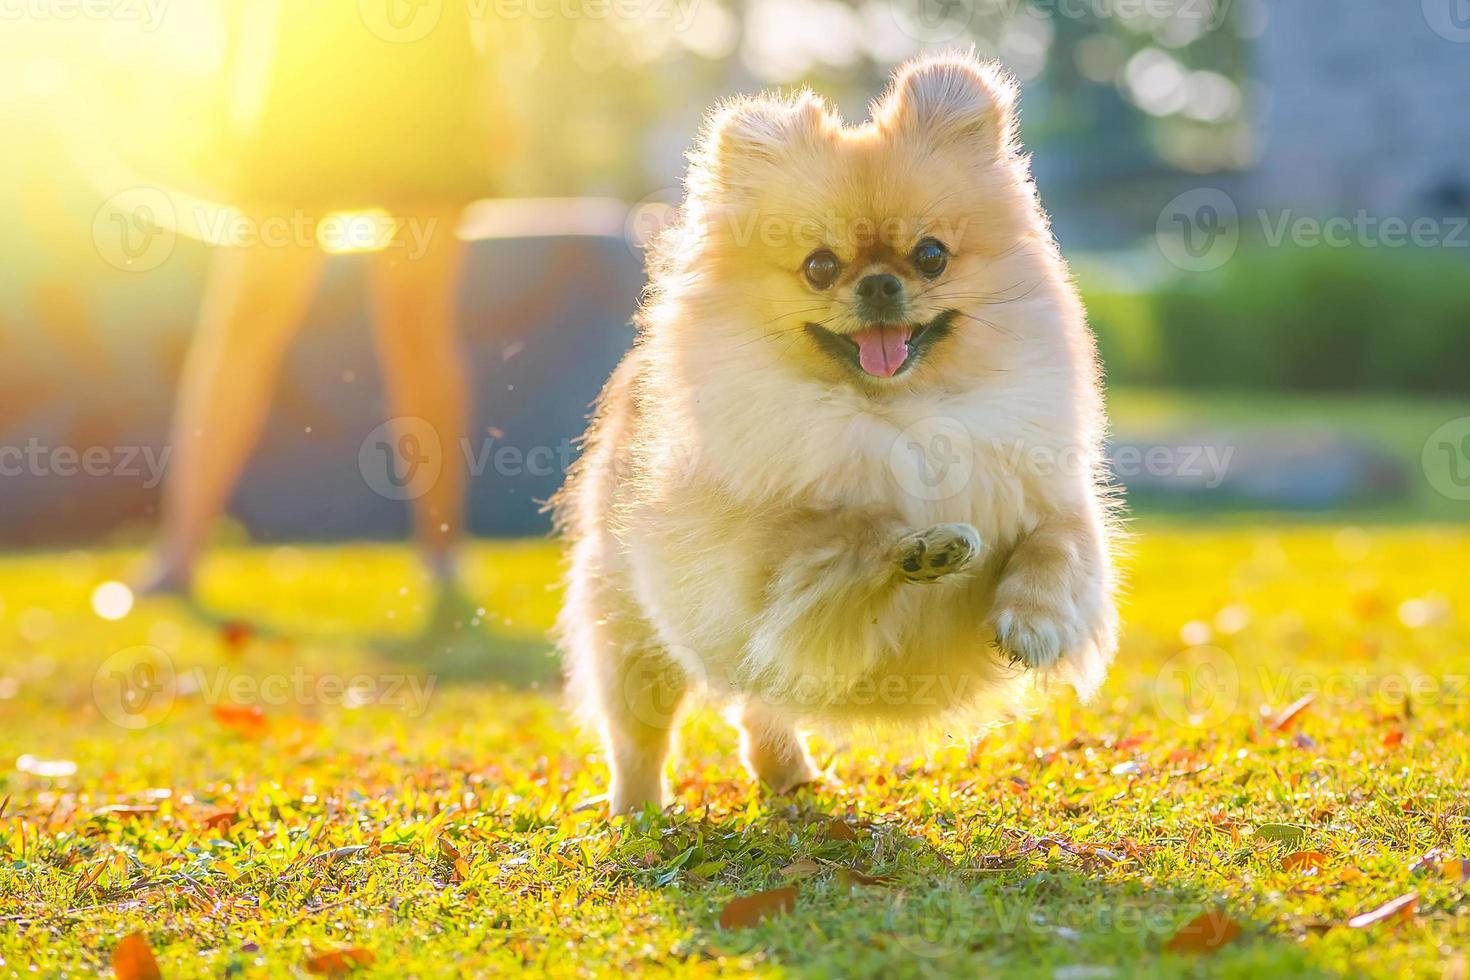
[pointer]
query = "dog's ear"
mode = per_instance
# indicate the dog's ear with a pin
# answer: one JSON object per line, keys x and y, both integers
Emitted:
{"x": 747, "y": 142}
{"x": 953, "y": 96}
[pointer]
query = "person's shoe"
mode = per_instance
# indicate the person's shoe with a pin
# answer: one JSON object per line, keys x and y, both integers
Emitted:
{"x": 159, "y": 577}
{"x": 444, "y": 567}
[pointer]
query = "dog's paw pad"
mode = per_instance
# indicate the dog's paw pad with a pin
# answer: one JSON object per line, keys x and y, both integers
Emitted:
{"x": 934, "y": 552}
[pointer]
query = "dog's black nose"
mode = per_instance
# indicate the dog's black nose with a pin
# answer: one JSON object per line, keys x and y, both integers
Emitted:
{"x": 880, "y": 298}
{"x": 878, "y": 289}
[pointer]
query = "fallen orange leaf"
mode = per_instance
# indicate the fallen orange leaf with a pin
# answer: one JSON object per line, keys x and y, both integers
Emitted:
{"x": 221, "y": 820}
{"x": 1205, "y": 933}
{"x": 244, "y": 719}
{"x": 1301, "y": 860}
{"x": 1292, "y": 712}
{"x": 235, "y": 635}
{"x": 336, "y": 962}
{"x": 132, "y": 959}
{"x": 1133, "y": 741}
{"x": 1400, "y": 908}
{"x": 1393, "y": 737}
{"x": 748, "y": 910}
{"x": 461, "y": 867}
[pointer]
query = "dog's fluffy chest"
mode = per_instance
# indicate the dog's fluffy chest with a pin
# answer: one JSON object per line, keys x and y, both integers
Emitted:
{"x": 968, "y": 459}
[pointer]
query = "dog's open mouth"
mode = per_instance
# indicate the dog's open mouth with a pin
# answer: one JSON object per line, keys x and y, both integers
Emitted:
{"x": 886, "y": 349}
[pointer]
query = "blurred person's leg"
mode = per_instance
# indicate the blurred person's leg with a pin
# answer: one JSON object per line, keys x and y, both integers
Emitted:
{"x": 415, "y": 288}
{"x": 256, "y": 298}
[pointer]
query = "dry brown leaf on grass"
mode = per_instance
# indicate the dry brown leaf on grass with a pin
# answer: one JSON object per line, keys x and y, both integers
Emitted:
{"x": 127, "y": 810}
{"x": 90, "y": 878}
{"x": 839, "y": 830}
{"x": 450, "y": 853}
{"x": 1291, "y": 713}
{"x": 1303, "y": 860}
{"x": 801, "y": 868}
{"x": 221, "y": 820}
{"x": 1284, "y": 833}
{"x": 336, "y": 962}
{"x": 1400, "y": 908}
{"x": 749, "y": 910}
{"x": 132, "y": 959}
{"x": 851, "y": 877}
{"x": 1457, "y": 869}
{"x": 1205, "y": 933}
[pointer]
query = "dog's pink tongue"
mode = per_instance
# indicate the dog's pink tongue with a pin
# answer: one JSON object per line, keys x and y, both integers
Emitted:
{"x": 882, "y": 349}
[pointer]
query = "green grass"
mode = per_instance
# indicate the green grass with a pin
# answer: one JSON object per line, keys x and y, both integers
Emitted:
{"x": 1072, "y": 845}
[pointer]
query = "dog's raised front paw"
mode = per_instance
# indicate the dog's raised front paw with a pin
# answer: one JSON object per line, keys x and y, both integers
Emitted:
{"x": 1036, "y": 635}
{"x": 930, "y": 554}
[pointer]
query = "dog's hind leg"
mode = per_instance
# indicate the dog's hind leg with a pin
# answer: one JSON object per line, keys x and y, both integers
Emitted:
{"x": 639, "y": 694}
{"x": 773, "y": 749}
{"x": 623, "y": 680}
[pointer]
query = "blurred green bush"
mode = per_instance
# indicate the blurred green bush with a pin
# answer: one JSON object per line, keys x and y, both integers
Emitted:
{"x": 1359, "y": 319}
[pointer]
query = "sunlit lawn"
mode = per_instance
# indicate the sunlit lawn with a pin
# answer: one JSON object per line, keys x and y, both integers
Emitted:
{"x": 454, "y": 830}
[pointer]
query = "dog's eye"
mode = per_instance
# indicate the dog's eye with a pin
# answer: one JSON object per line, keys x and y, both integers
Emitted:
{"x": 930, "y": 257}
{"x": 821, "y": 268}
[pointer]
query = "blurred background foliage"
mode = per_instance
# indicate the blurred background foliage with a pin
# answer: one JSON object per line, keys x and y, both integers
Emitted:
{"x": 1294, "y": 319}
{"x": 1123, "y": 101}
{"x": 607, "y": 102}
{"x": 1308, "y": 109}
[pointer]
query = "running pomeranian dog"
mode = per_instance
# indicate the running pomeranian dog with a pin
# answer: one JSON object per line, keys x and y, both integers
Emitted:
{"x": 850, "y": 473}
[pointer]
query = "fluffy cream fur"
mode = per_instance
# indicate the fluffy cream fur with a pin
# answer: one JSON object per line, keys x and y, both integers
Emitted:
{"x": 755, "y": 517}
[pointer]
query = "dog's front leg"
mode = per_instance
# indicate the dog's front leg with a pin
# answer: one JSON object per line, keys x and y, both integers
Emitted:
{"x": 1054, "y": 597}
